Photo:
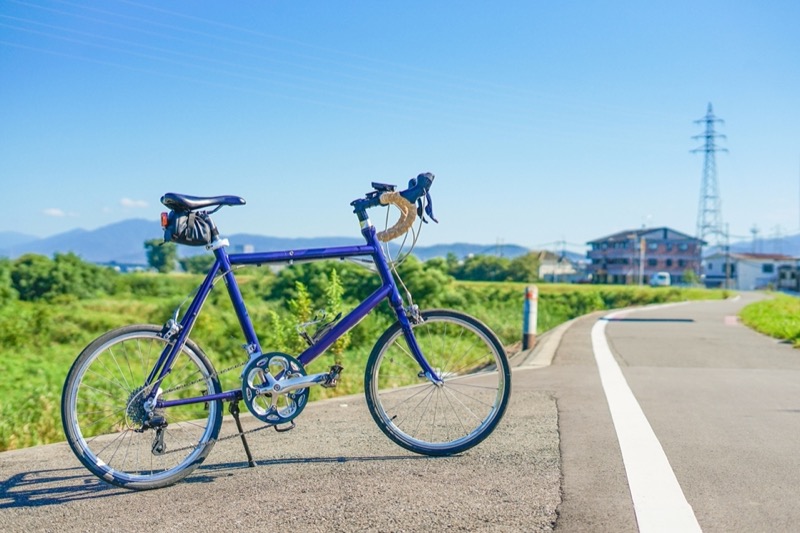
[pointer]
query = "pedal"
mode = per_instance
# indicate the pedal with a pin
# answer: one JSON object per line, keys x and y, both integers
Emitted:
{"x": 333, "y": 377}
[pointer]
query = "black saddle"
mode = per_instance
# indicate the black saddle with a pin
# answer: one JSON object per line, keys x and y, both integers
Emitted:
{"x": 184, "y": 202}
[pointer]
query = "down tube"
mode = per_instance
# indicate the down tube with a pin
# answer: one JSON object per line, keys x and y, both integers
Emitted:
{"x": 344, "y": 325}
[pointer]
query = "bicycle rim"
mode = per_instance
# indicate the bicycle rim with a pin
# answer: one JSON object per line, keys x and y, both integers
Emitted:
{"x": 102, "y": 410}
{"x": 444, "y": 418}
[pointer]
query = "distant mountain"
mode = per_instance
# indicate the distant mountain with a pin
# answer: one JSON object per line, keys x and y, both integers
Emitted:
{"x": 462, "y": 250}
{"x": 123, "y": 243}
{"x": 10, "y": 239}
{"x": 789, "y": 245}
{"x": 785, "y": 245}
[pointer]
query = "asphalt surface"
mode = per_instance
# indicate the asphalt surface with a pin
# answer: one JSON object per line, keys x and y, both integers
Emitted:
{"x": 334, "y": 472}
{"x": 722, "y": 401}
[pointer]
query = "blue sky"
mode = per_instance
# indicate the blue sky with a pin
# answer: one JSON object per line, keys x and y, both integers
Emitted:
{"x": 543, "y": 121}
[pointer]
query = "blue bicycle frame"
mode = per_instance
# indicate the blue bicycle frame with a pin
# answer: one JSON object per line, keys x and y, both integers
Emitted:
{"x": 224, "y": 263}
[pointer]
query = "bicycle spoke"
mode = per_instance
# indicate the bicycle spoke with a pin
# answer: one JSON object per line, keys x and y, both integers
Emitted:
{"x": 105, "y": 415}
{"x": 452, "y": 415}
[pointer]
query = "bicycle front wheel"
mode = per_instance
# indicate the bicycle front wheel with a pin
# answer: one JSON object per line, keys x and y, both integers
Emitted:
{"x": 104, "y": 417}
{"x": 439, "y": 418}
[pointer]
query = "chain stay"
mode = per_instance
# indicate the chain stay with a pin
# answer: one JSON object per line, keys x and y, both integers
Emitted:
{"x": 200, "y": 380}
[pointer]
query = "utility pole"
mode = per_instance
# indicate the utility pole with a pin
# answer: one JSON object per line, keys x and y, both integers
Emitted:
{"x": 728, "y": 275}
{"x": 709, "y": 215}
{"x": 754, "y": 231}
{"x": 641, "y": 260}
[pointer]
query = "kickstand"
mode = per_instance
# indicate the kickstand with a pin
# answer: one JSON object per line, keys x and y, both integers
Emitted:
{"x": 234, "y": 409}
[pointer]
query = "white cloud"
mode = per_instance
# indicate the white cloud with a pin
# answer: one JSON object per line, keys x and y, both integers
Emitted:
{"x": 54, "y": 212}
{"x": 136, "y": 204}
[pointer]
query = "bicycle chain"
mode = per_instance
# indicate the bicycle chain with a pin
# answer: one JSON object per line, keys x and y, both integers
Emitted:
{"x": 219, "y": 439}
{"x": 200, "y": 380}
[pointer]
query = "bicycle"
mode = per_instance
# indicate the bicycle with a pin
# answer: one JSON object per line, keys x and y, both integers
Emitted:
{"x": 142, "y": 405}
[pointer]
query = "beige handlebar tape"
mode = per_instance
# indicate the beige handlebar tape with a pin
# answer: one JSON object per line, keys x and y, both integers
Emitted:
{"x": 407, "y": 216}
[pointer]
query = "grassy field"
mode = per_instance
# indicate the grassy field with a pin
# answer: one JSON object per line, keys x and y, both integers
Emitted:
{"x": 777, "y": 317}
{"x": 39, "y": 341}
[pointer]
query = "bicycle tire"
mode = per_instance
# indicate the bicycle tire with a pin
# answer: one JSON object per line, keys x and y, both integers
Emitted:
{"x": 445, "y": 419}
{"x": 101, "y": 416}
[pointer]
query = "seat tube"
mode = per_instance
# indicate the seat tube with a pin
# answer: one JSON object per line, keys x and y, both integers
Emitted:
{"x": 238, "y": 302}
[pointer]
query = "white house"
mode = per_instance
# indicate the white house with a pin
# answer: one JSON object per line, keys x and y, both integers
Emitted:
{"x": 557, "y": 268}
{"x": 745, "y": 272}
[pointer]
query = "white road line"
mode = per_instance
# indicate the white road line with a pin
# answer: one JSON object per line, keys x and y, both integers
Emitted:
{"x": 658, "y": 500}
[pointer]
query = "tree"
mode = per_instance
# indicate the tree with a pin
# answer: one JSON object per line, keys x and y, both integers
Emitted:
{"x": 428, "y": 285}
{"x": 197, "y": 264}
{"x": 31, "y": 276}
{"x": 7, "y": 291}
{"x": 36, "y": 277}
{"x": 452, "y": 262}
{"x": 73, "y": 276}
{"x": 690, "y": 277}
{"x": 315, "y": 276}
{"x": 483, "y": 268}
{"x": 161, "y": 255}
{"x": 524, "y": 268}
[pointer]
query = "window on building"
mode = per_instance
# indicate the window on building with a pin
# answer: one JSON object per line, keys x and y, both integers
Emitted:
{"x": 652, "y": 262}
{"x": 709, "y": 267}
{"x": 683, "y": 247}
{"x": 681, "y": 263}
{"x": 668, "y": 262}
{"x": 653, "y": 246}
{"x": 767, "y": 268}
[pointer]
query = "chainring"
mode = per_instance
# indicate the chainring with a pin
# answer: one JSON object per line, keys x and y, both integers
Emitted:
{"x": 264, "y": 403}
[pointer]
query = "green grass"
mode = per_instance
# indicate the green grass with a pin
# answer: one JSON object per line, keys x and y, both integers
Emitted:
{"x": 39, "y": 341}
{"x": 500, "y": 304}
{"x": 777, "y": 317}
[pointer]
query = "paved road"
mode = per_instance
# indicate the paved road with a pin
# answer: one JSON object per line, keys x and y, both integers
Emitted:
{"x": 722, "y": 401}
{"x": 335, "y": 472}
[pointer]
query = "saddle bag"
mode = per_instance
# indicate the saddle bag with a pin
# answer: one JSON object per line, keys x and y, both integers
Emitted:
{"x": 193, "y": 228}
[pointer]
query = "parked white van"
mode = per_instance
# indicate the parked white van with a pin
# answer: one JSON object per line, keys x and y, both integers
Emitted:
{"x": 660, "y": 279}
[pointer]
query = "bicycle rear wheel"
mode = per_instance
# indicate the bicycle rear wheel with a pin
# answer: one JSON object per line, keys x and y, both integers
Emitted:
{"x": 102, "y": 410}
{"x": 446, "y": 418}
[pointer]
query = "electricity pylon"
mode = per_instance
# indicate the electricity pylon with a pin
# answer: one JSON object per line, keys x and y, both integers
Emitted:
{"x": 709, "y": 215}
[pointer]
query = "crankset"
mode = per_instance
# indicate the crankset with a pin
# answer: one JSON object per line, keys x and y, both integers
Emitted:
{"x": 268, "y": 391}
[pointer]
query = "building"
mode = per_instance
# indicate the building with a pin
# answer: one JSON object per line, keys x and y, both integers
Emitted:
{"x": 747, "y": 271}
{"x": 633, "y": 256}
{"x": 557, "y": 268}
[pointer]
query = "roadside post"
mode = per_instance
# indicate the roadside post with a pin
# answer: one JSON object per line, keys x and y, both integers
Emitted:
{"x": 530, "y": 313}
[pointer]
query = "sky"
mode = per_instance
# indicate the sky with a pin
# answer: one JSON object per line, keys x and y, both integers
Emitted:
{"x": 547, "y": 124}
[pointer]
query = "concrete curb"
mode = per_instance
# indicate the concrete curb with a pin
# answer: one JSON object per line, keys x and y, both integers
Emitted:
{"x": 541, "y": 355}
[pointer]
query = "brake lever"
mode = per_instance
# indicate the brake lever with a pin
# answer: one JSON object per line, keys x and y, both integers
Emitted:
{"x": 428, "y": 208}
{"x": 428, "y": 205}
